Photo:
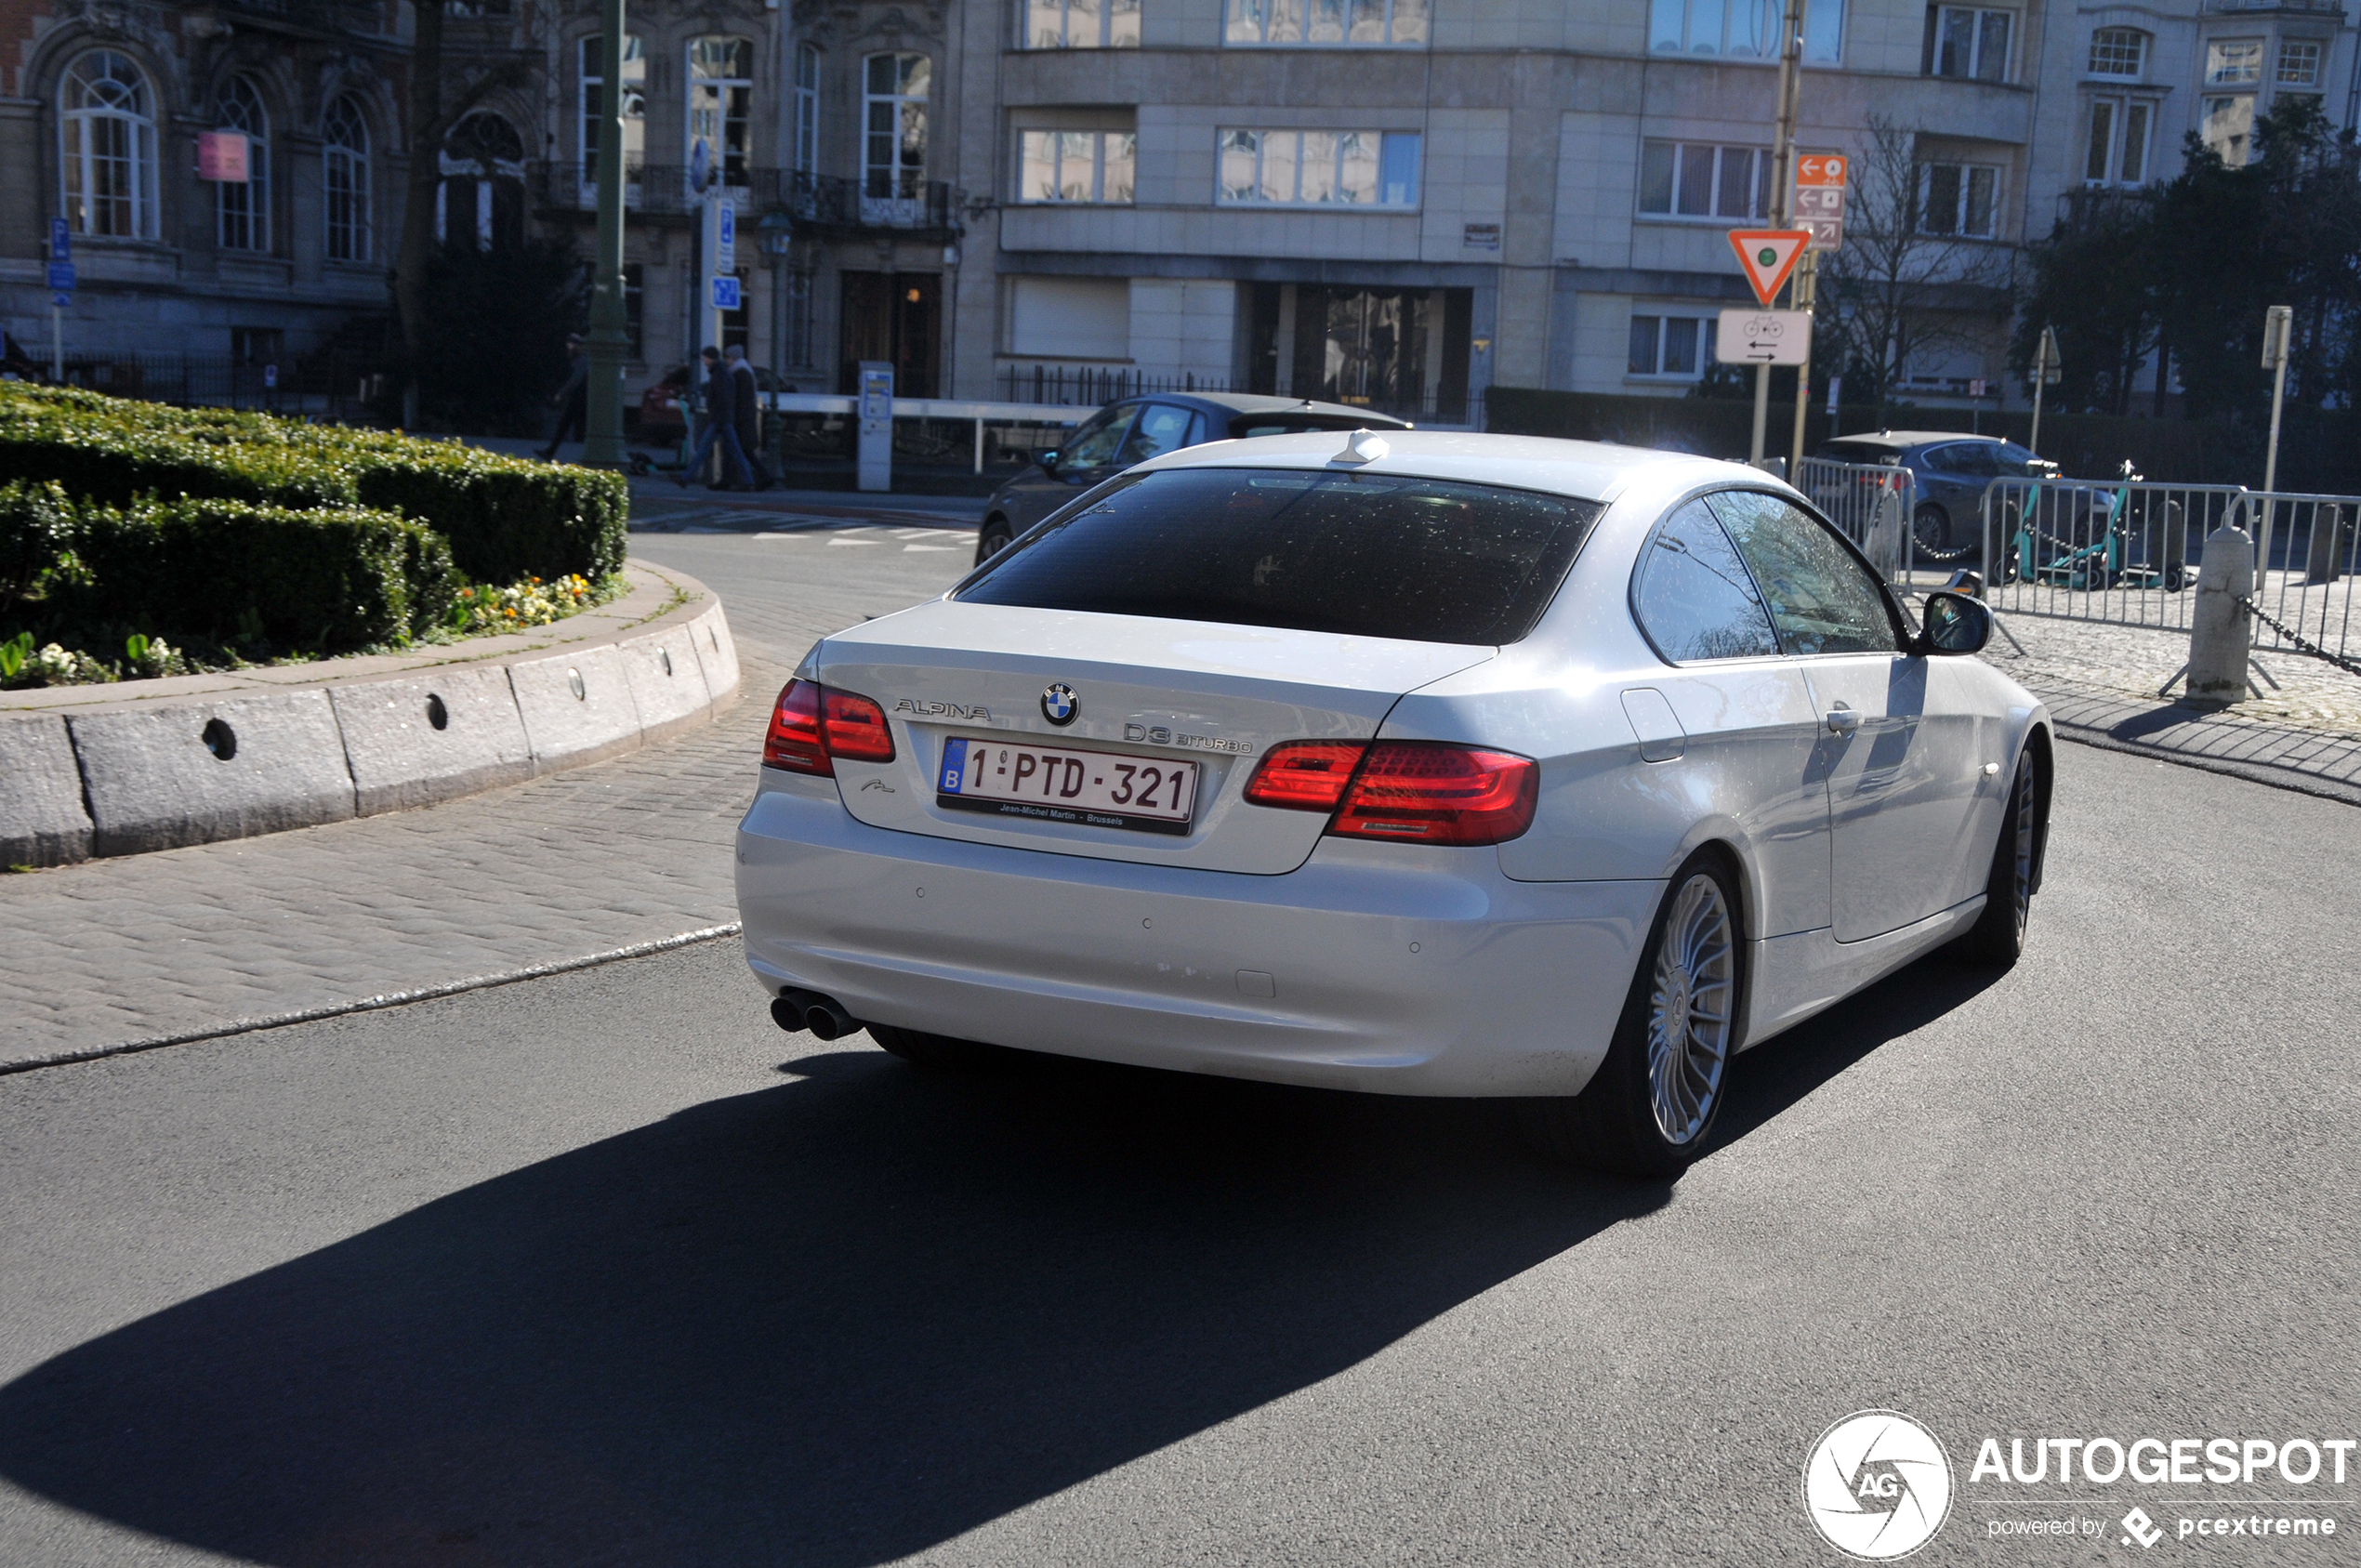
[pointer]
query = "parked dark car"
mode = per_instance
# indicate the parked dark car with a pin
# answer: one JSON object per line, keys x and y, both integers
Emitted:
{"x": 1951, "y": 468}
{"x": 1134, "y": 430}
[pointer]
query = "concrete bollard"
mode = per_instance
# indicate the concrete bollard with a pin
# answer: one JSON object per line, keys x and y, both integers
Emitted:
{"x": 2221, "y": 629}
{"x": 2325, "y": 561}
{"x": 1886, "y": 536}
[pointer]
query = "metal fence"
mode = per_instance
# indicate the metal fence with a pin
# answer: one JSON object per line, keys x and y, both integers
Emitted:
{"x": 2129, "y": 553}
{"x": 1874, "y": 503}
{"x": 323, "y": 386}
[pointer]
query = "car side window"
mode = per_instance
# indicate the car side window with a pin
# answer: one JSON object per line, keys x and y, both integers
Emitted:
{"x": 1161, "y": 429}
{"x": 1095, "y": 444}
{"x": 1821, "y": 599}
{"x": 1976, "y": 459}
{"x": 1694, "y": 597}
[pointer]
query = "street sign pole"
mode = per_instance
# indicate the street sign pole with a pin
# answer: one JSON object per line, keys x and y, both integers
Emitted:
{"x": 1782, "y": 180}
{"x": 2278, "y": 323}
{"x": 1807, "y": 293}
{"x": 60, "y": 292}
{"x": 609, "y": 321}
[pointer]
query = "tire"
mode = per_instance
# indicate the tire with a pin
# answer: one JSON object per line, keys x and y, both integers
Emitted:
{"x": 1931, "y": 534}
{"x": 1649, "y": 1111}
{"x": 1998, "y": 937}
{"x": 940, "y": 1051}
{"x": 994, "y": 539}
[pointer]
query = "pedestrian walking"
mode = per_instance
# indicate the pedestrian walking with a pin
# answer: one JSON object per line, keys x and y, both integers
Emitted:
{"x": 747, "y": 404}
{"x": 722, "y": 427}
{"x": 573, "y": 399}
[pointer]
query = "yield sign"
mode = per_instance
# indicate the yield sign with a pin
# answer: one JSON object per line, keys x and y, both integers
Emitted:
{"x": 1768, "y": 256}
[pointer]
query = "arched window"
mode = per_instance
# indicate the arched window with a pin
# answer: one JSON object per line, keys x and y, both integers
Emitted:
{"x": 346, "y": 158}
{"x": 893, "y": 123}
{"x": 481, "y": 195}
{"x": 242, "y": 212}
{"x": 634, "y": 104}
{"x": 721, "y": 102}
{"x": 806, "y": 109}
{"x": 107, "y": 147}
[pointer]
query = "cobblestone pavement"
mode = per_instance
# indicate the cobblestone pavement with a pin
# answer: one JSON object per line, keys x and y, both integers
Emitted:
{"x": 603, "y": 858}
{"x": 635, "y": 852}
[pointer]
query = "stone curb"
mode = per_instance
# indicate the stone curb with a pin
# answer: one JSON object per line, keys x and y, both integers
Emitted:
{"x": 373, "y": 1004}
{"x": 2298, "y": 760}
{"x": 156, "y": 764}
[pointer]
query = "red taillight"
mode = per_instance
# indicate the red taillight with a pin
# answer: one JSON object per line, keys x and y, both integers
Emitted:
{"x": 856, "y": 727}
{"x": 1433, "y": 794}
{"x": 1306, "y": 775}
{"x": 811, "y": 723}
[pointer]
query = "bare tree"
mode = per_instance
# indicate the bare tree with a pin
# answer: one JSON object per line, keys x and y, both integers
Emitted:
{"x": 1905, "y": 286}
{"x": 444, "y": 85}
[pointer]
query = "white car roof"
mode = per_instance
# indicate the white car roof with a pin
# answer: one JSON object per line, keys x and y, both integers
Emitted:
{"x": 1590, "y": 471}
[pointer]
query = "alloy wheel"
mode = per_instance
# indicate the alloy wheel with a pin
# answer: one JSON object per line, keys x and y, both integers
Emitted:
{"x": 1689, "y": 1010}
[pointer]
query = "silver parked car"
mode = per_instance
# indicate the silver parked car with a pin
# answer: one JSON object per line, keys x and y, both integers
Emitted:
{"x": 1416, "y": 764}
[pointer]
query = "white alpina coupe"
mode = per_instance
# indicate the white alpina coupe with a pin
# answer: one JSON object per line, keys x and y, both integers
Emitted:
{"x": 1438, "y": 764}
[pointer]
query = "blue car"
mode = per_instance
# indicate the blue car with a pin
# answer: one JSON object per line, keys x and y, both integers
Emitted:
{"x": 1951, "y": 468}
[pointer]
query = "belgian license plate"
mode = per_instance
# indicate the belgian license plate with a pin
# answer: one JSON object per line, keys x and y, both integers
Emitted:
{"x": 1057, "y": 783}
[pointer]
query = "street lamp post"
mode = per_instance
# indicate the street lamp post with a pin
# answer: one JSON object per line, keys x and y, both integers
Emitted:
{"x": 609, "y": 336}
{"x": 775, "y": 234}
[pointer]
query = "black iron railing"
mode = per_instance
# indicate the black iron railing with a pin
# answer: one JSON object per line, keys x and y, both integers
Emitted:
{"x": 819, "y": 201}
{"x": 326, "y": 385}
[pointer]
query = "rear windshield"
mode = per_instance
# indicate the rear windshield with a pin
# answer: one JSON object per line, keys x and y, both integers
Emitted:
{"x": 1360, "y": 555}
{"x": 1845, "y": 453}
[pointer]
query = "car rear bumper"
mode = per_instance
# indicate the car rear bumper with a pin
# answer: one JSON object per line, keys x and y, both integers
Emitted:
{"x": 1378, "y": 968}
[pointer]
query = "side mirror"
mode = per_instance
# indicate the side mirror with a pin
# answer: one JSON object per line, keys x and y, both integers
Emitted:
{"x": 1046, "y": 459}
{"x": 1955, "y": 623}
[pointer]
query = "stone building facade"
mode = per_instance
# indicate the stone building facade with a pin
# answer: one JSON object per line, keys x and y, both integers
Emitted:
{"x": 1397, "y": 201}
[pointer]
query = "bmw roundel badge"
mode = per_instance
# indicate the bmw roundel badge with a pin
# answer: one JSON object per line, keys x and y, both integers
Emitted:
{"x": 1059, "y": 704}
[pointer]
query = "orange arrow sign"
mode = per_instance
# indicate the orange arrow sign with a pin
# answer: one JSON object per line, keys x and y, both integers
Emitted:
{"x": 1820, "y": 168}
{"x": 1768, "y": 256}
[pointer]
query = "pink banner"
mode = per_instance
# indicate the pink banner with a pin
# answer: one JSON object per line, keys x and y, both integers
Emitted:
{"x": 221, "y": 155}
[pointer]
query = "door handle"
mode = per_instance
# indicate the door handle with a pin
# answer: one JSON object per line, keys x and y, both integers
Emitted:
{"x": 1844, "y": 721}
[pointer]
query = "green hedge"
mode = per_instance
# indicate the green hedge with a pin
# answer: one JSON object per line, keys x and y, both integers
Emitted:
{"x": 207, "y": 569}
{"x": 505, "y": 517}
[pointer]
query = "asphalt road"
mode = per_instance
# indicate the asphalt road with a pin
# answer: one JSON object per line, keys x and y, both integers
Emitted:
{"x": 604, "y": 1269}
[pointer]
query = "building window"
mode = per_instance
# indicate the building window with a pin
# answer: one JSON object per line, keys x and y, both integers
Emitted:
{"x": 1083, "y": 25}
{"x": 1743, "y": 28}
{"x": 1697, "y": 179}
{"x": 2118, "y": 51}
{"x": 242, "y": 212}
{"x": 806, "y": 109}
{"x": 721, "y": 103}
{"x": 345, "y": 161}
{"x": 1677, "y": 345}
{"x": 2119, "y": 149}
{"x": 1320, "y": 168}
{"x": 634, "y": 104}
{"x": 1076, "y": 165}
{"x": 2231, "y": 61}
{"x": 2228, "y": 126}
{"x": 893, "y": 123}
{"x": 481, "y": 194}
{"x": 1971, "y": 44}
{"x": 635, "y": 310}
{"x": 2298, "y": 62}
{"x": 1335, "y": 23}
{"x": 107, "y": 147}
{"x": 1959, "y": 199}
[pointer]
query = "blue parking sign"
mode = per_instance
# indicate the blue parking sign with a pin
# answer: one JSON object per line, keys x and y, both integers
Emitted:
{"x": 60, "y": 241}
{"x": 61, "y": 276}
{"x": 725, "y": 294}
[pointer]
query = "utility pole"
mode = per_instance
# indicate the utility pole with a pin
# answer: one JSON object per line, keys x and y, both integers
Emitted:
{"x": 610, "y": 334}
{"x": 1782, "y": 187}
{"x": 1806, "y": 297}
{"x": 2278, "y": 325}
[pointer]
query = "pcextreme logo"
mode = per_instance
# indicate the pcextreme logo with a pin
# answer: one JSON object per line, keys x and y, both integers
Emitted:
{"x": 1876, "y": 1486}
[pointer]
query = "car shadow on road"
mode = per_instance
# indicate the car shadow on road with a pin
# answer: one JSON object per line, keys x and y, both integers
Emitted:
{"x": 831, "y": 1323}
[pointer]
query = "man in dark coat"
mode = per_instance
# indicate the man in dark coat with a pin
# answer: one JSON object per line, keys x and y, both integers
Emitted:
{"x": 747, "y": 402}
{"x": 721, "y": 426}
{"x": 573, "y": 399}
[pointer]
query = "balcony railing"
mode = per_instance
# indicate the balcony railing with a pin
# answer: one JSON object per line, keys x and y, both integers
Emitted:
{"x": 819, "y": 201}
